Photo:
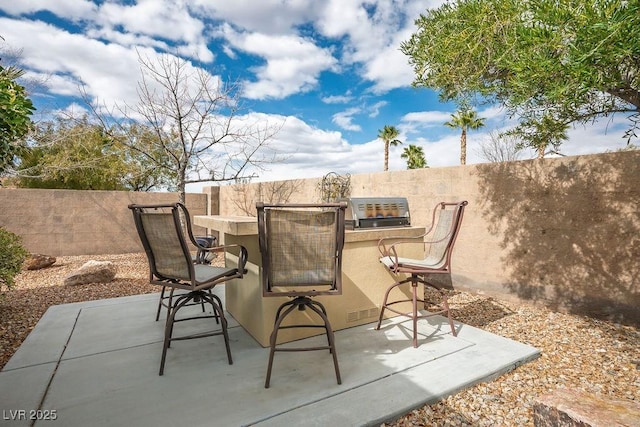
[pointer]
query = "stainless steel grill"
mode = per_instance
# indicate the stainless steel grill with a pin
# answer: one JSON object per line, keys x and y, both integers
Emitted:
{"x": 370, "y": 212}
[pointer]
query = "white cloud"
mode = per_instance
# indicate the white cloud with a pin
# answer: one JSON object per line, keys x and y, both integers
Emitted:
{"x": 264, "y": 16}
{"x": 604, "y": 135}
{"x": 106, "y": 70}
{"x": 126, "y": 39}
{"x": 308, "y": 150}
{"x": 70, "y": 9}
{"x": 375, "y": 108}
{"x": 163, "y": 19}
{"x": 160, "y": 18}
{"x": 428, "y": 118}
{"x": 229, "y": 52}
{"x": 293, "y": 64}
{"x": 494, "y": 112}
{"x": 417, "y": 122}
{"x": 389, "y": 68}
{"x": 60, "y": 84}
{"x": 344, "y": 119}
{"x": 372, "y": 35}
{"x": 337, "y": 99}
{"x": 72, "y": 110}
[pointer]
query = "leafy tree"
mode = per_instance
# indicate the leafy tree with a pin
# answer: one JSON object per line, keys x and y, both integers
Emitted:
{"x": 15, "y": 109}
{"x": 140, "y": 174}
{"x": 543, "y": 133}
{"x": 75, "y": 154}
{"x": 388, "y": 134}
{"x": 415, "y": 157}
{"x": 544, "y": 60}
{"x": 199, "y": 134}
{"x": 12, "y": 255}
{"x": 465, "y": 118}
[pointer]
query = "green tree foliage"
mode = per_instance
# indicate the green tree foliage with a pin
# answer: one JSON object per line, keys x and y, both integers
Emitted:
{"x": 138, "y": 146}
{"x": 12, "y": 256}
{"x": 388, "y": 135}
{"x": 75, "y": 154}
{"x": 15, "y": 111}
{"x": 415, "y": 157}
{"x": 465, "y": 118}
{"x": 542, "y": 133}
{"x": 568, "y": 61}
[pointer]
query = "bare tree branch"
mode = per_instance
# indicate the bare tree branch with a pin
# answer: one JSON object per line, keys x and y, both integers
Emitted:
{"x": 200, "y": 134}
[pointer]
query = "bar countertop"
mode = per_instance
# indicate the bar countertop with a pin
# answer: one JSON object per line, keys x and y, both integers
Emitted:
{"x": 247, "y": 226}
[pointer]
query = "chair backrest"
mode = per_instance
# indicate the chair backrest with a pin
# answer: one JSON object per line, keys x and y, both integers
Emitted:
{"x": 445, "y": 225}
{"x": 160, "y": 228}
{"x": 301, "y": 248}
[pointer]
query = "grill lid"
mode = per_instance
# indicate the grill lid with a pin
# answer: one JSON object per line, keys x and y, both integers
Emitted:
{"x": 367, "y": 212}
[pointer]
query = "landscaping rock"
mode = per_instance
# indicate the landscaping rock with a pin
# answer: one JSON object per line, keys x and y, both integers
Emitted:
{"x": 92, "y": 272}
{"x": 570, "y": 408}
{"x": 39, "y": 261}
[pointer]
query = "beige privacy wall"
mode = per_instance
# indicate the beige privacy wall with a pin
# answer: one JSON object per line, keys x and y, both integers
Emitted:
{"x": 564, "y": 232}
{"x": 561, "y": 232}
{"x": 70, "y": 222}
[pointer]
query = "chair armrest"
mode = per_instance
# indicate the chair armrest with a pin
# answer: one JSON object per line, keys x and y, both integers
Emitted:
{"x": 392, "y": 242}
{"x": 242, "y": 258}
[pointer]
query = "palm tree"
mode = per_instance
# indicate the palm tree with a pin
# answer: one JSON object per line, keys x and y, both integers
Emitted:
{"x": 388, "y": 135}
{"x": 415, "y": 157}
{"x": 465, "y": 118}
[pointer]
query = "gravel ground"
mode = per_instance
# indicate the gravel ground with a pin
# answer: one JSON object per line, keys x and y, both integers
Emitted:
{"x": 597, "y": 357}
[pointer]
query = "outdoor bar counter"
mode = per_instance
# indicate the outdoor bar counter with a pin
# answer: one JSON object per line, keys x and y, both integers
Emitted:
{"x": 364, "y": 279}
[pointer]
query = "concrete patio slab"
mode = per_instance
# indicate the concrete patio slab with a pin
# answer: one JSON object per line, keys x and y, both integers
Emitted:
{"x": 96, "y": 363}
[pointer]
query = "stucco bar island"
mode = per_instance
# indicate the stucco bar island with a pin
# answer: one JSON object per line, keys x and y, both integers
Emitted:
{"x": 364, "y": 279}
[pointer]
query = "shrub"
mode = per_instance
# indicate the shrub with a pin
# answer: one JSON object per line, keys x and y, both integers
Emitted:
{"x": 12, "y": 256}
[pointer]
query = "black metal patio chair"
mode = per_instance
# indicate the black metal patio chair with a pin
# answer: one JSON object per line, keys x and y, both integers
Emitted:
{"x": 301, "y": 248}
{"x": 171, "y": 266}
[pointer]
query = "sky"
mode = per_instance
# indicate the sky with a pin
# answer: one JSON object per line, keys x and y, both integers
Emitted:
{"x": 330, "y": 72}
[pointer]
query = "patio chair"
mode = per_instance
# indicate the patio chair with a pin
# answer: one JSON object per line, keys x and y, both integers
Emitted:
{"x": 438, "y": 243}
{"x": 301, "y": 248}
{"x": 171, "y": 265}
{"x": 202, "y": 256}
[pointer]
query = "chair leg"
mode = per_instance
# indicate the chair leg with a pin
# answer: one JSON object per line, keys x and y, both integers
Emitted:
{"x": 415, "y": 280}
{"x": 324, "y": 311}
{"x": 290, "y": 306}
{"x": 384, "y": 305}
{"x": 219, "y": 315}
{"x": 330, "y": 336}
{"x": 219, "y": 301}
{"x": 274, "y": 336}
{"x": 182, "y": 301}
{"x": 414, "y": 291}
{"x": 164, "y": 288}
{"x": 282, "y": 307}
{"x": 168, "y": 329}
{"x": 385, "y": 300}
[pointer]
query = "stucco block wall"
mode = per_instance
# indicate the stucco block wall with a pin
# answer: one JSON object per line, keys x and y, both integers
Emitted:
{"x": 564, "y": 233}
{"x": 68, "y": 222}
